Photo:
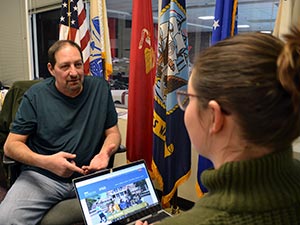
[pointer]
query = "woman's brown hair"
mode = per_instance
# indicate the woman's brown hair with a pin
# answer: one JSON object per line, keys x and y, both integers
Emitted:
{"x": 256, "y": 77}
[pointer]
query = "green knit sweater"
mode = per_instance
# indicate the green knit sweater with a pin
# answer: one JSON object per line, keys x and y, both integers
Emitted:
{"x": 260, "y": 191}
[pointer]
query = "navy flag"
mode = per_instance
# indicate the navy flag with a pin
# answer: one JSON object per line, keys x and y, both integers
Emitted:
{"x": 225, "y": 25}
{"x": 171, "y": 148}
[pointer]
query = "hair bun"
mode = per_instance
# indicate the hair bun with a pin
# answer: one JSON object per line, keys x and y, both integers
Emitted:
{"x": 288, "y": 64}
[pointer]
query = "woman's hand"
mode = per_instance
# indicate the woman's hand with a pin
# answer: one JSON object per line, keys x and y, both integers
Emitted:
{"x": 139, "y": 222}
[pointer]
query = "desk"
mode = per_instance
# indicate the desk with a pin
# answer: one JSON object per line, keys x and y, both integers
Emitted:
{"x": 120, "y": 158}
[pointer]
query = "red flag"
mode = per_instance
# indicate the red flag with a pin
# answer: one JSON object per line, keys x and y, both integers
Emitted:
{"x": 141, "y": 80}
{"x": 74, "y": 26}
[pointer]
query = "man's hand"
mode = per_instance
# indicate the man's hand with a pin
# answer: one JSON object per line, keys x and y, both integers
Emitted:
{"x": 100, "y": 161}
{"x": 62, "y": 164}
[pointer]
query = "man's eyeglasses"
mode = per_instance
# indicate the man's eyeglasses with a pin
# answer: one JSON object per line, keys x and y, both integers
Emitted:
{"x": 183, "y": 99}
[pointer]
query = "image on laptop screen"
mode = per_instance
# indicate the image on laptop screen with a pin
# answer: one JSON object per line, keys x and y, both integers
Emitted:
{"x": 113, "y": 196}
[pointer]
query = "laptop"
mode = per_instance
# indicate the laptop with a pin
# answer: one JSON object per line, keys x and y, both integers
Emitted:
{"x": 120, "y": 195}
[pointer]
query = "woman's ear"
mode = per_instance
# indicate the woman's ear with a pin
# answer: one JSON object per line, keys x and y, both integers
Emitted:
{"x": 217, "y": 116}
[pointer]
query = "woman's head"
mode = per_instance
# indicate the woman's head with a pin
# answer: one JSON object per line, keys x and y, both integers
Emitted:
{"x": 256, "y": 78}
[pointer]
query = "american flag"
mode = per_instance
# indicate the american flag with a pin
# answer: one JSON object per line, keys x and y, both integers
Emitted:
{"x": 74, "y": 26}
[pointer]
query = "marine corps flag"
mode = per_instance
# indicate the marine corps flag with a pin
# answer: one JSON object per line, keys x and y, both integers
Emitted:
{"x": 225, "y": 25}
{"x": 172, "y": 149}
{"x": 100, "y": 58}
{"x": 141, "y": 81}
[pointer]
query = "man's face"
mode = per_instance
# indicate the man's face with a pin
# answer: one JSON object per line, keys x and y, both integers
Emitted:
{"x": 68, "y": 71}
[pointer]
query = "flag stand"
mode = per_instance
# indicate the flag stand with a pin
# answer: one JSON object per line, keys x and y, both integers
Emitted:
{"x": 174, "y": 204}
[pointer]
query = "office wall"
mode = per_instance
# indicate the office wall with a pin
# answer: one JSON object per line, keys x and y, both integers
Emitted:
{"x": 15, "y": 60}
{"x": 14, "y": 64}
{"x": 42, "y": 5}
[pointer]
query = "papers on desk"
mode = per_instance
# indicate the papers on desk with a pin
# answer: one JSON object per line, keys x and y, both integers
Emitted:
{"x": 122, "y": 113}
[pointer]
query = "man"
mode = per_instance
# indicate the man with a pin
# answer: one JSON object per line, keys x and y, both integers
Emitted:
{"x": 66, "y": 126}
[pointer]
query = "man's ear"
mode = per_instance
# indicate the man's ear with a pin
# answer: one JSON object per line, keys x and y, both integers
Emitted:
{"x": 50, "y": 68}
{"x": 217, "y": 116}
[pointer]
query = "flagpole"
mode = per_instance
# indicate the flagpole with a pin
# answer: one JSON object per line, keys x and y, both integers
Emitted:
{"x": 174, "y": 203}
{"x": 69, "y": 20}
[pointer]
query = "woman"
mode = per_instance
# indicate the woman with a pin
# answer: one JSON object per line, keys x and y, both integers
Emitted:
{"x": 243, "y": 114}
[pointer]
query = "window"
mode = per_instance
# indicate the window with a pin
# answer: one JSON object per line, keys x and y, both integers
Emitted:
{"x": 256, "y": 15}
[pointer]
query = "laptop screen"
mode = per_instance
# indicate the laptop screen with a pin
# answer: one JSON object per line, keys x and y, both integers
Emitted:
{"x": 118, "y": 195}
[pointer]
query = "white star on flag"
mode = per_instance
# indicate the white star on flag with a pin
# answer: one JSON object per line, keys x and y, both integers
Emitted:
{"x": 216, "y": 24}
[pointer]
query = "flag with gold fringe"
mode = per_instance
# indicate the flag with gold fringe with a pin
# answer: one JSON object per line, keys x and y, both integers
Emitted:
{"x": 171, "y": 163}
{"x": 100, "y": 57}
{"x": 74, "y": 26}
{"x": 141, "y": 81}
{"x": 288, "y": 15}
{"x": 224, "y": 26}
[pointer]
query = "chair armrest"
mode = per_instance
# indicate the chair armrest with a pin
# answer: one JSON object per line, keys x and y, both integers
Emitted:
{"x": 8, "y": 161}
{"x": 13, "y": 169}
{"x": 121, "y": 149}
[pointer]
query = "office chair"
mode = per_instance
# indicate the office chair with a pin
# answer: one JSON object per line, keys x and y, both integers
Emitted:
{"x": 65, "y": 212}
{"x": 9, "y": 108}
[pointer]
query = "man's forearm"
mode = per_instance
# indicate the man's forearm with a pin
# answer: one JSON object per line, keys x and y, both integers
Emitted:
{"x": 19, "y": 151}
{"x": 113, "y": 136}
